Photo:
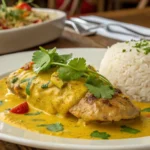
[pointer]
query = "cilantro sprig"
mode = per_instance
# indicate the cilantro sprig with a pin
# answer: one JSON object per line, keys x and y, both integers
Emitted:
{"x": 73, "y": 69}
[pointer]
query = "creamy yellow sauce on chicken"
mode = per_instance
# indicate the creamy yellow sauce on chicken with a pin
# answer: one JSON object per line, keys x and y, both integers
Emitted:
{"x": 36, "y": 120}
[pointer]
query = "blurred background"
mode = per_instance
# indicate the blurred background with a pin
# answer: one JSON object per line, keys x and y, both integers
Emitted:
{"x": 76, "y": 7}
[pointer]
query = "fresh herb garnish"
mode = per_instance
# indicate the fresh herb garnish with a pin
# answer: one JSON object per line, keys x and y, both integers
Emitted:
{"x": 53, "y": 127}
{"x": 99, "y": 89}
{"x": 29, "y": 84}
{"x": 72, "y": 70}
{"x": 45, "y": 86}
{"x": 1, "y": 103}
{"x": 124, "y": 50}
{"x": 143, "y": 45}
{"x": 33, "y": 114}
{"x": 102, "y": 135}
{"x": 146, "y": 50}
{"x": 15, "y": 79}
{"x": 125, "y": 128}
{"x": 146, "y": 109}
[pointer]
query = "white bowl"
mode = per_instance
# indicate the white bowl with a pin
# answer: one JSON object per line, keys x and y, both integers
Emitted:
{"x": 18, "y": 39}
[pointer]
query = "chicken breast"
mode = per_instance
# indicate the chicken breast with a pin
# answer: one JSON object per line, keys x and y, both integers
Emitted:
{"x": 90, "y": 108}
{"x": 50, "y": 94}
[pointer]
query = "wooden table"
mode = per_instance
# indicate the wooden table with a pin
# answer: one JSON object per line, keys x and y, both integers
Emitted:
{"x": 140, "y": 17}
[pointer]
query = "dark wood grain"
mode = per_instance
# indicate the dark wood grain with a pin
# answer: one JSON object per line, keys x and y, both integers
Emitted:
{"x": 69, "y": 39}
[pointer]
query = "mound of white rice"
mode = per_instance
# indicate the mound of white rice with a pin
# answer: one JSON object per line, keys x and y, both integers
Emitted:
{"x": 127, "y": 66}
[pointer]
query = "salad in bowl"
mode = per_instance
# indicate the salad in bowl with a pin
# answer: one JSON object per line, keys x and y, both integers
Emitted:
{"x": 19, "y": 15}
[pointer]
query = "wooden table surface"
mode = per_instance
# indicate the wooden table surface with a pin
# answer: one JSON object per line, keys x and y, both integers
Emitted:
{"x": 68, "y": 39}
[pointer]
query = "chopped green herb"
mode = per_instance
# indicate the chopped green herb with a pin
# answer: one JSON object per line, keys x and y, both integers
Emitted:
{"x": 146, "y": 109}
{"x": 1, "y": 103}
{"x": 124, "y": 50}
{"x": 130, "y": 50}
{"x": 15, "y": 79}
{"x": 146, "y": 50}
{"x": 125, "y": 128}
{"x": 137, "y": 50}
{"x": 45, "y": 86}
{"x": 72, "y": 70}
{"x": 102, "y": 135}
{"x": 143, "y": 45}
{"x": 33, "y": 114}
{"x": 53, "y": 127}
{"x": 29, "y": 84}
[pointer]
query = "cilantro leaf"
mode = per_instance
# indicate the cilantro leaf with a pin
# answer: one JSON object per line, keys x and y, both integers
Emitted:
{"x": 61, "y": 58}
{"x": 125, "y": 128}
{"x": 78, "y": 63}
{"x": 102, "y": 135}
{"x": 98, "y": 88}
{"x": 55, "y": 127}
{"x": 15, "y": 79}
{"x": 146, "y": 109}
{"x": 45, "y": 86}
{"x": 67, "y": 74}
{"x": 44, "y": 59}
{"x": 101, "y": 91}
{"x": 41, "y": 61}
{"x": 76, "y": 68}
{"x": 66, "y": 57}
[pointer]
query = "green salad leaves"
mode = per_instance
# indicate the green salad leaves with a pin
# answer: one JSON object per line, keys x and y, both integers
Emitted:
{"x": 73, "y": 69}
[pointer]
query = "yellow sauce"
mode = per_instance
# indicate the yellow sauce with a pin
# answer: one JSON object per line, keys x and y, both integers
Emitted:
{"x": 73, "y": 128}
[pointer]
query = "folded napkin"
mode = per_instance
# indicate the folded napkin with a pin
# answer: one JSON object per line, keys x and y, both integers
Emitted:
{"x": 102, "y": 31}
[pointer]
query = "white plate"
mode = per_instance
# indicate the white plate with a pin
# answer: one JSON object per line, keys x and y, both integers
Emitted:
{"x": 12, "y": 134}
{"x": 17, "y": 39}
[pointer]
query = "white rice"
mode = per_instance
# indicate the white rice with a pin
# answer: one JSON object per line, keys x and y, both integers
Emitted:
{"x": 128, "y": 69}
